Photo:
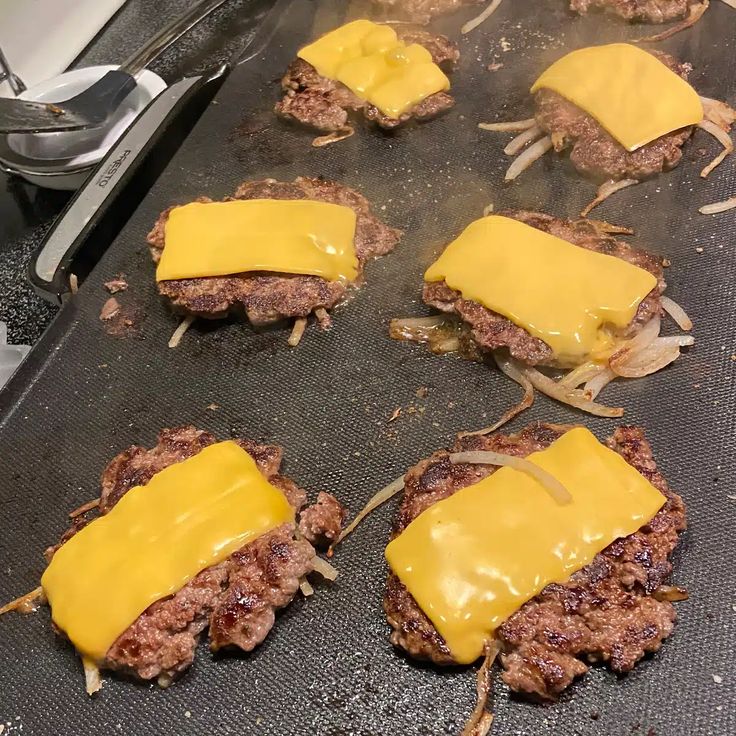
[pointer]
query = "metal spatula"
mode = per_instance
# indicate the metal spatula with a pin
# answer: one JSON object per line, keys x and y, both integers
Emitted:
{"x": 91, "y": 108}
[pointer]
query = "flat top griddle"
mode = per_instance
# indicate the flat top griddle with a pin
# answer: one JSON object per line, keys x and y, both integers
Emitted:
{"x": 327, "y": 667}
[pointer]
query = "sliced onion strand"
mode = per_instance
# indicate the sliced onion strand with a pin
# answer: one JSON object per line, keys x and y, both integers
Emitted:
{"x": 526, "y": 401}
{"x": 522, "y": 140}
{"x": 723, "y": 138}
{"x": 485, "y": 15}
{"x": 678, "y": 314}
{"x": 484, "y": 457}
{"x": 605, "y": 190}
{"x": 297, "y": 332}
{"x": 323, "y": 568}
{"x": 377, "y": 500}
{"x": 718, "y": 207}
{"x": 509, "y": 127}
{"x": 184, "y": 325}
{"x": 92, "y": 679}
{"x": 480, "y": 721}
{"x": 84, "y": 508}
{"x": 528, "y": 157}
{"x": 25, "y": 603}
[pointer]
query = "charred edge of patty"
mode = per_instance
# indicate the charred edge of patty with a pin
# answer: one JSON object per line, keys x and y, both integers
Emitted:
{"x": 237, "y": 598}
{"x": 264, "y": 297}
{"x": 325, "y": 105}
{"x": 489, "y": 330}
{"x": 594, "y": 152}
{"x": 606, "y": 611}
{"x": 421, "y": 11}
{"x": 637, "y": 11}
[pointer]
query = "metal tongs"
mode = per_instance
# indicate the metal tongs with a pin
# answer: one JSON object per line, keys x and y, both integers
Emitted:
{"x": 93, "y": 107}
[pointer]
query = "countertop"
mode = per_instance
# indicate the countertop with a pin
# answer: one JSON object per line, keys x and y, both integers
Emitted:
{"x": 27, "y": 212}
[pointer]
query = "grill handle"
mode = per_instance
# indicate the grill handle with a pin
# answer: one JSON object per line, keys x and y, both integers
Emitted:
{"x": 113, "y": 190}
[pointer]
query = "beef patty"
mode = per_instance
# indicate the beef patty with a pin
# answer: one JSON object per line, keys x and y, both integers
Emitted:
{"x": 490, "y": 330}
{"x": 606, "y": 612}
{"x": 642, "y": 11}
{"x": 325, "y": 105}
{"x": 421, "y": 11}
{"x": 269, "y": 297}
{"x": 237, "y": 598}
{"x": 594, "y": 152}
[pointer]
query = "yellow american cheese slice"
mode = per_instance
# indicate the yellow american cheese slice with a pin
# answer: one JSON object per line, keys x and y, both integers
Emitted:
{"x": 556, "y": 291}
{"x": 632, "y": 94}
{"x": 473, "y": 559}
{"x": 285, "y": 236}
{"x": 190, "y": 516}
{"x": 370, "y": 60}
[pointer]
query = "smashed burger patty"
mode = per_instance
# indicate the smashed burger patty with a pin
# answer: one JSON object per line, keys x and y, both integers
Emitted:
{"x": 269, "y": 297}
{"x": 606, "y": 612}
{"x": 490, "y": 330}
{"x": 643, "y": 11}
{"x": 595, "y": 152}
{"x": 325, "y": 104}
{"x": 237, "y": 598}
{"x": 421, "y": 11}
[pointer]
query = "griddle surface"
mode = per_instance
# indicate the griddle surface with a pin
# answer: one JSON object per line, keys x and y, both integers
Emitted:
{"x": 327, "y": 667}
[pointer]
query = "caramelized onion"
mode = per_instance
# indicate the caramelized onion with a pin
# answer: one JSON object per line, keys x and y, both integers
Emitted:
{"x": 297, "y": 332}
{"x": 647, "y": 361}
{"x": 607, "y": 189}
{"x": 26, "y": 603}
{"x": 564, "y": 394}
{"x": 528, "y": 157}
{"x": 486, "y": 457}
{"x": 677, "y": 313}
{"x": 723, "y": 138}
{"x": 645, "y": 337}
{"x": 379, "y": 498}
{"x": 526, "y": 401}
{"x": 480, "y": 720}
{"x": 671, "y": 593}
{"x": 596, "y": 384}
{"x": 84, "y": 508}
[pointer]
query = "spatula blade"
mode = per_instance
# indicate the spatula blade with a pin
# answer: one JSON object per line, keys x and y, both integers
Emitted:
{"x": 22, "y": 116}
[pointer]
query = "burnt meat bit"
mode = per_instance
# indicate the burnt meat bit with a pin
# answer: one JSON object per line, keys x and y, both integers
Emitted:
{"x": 644, "y": 11}
{"x": 606, "y": 612}
{"x": 321, "y": 522}
{"x": 594, "y": 152}
{"x": 236, "y": 598}
{"x": 325, "y": 105}
{"x": 490, "y": 330}
{"x": 269, "y": 297}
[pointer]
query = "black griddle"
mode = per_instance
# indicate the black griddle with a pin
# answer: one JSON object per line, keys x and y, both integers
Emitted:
{"x": 327, "y": 667}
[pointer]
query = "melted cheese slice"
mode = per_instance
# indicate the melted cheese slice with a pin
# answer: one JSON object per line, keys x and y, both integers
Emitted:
{"x": 473, "y": 559}
{"x": 632, "y": 94}
{"x": 370, "y": 60}
{"x": 557, "y": 291}
{"x": 190, "y": 516}
{"x": 285, "y": 236}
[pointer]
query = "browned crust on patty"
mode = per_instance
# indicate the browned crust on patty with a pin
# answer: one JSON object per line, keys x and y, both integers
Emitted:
{"x": 236, "y": 599}
{"x": 594, "y": 152}
{"x": 421, "y": 11}
{"x": 325, "y": 105}
{"x": 637, "y": 11}
{"x": 269, "y": 297}
{"x": 491, "y": 331}
{"x": 604, "y": 613}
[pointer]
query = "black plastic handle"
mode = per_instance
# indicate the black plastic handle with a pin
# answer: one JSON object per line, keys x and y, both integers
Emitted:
{"x": 97, "y": 212}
